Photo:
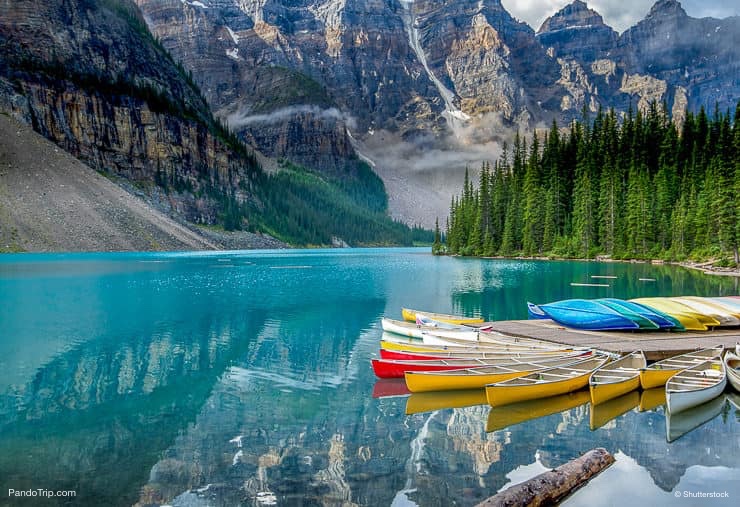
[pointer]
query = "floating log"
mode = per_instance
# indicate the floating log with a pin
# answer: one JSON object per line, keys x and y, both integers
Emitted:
{"x": 574, "y": 284}
{"x": 550, "y": 487}
{"x": 610, "y": 277}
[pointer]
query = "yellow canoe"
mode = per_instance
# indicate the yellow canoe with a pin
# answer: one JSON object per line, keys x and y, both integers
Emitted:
{"x": 410, "y": 315}
{"x": 417, "y": 347}
{"x": 658, "y": 373}
{"x": 711, "y": 309}
{"x": 544, "y": 383}
{"x": 478, "y": 378}
{"x": 689, "y": 319}
{"x": 605, "y": 412}
{"x": 428, "y": 402}
{"x": 515, "y": 413}
{"x": 616, "y": 378}
{"x": 652, "y": 398}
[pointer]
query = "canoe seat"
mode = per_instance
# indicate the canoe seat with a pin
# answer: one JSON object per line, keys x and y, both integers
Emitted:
{"x": 603, "y": 376}
{"x": 692, "y": 384}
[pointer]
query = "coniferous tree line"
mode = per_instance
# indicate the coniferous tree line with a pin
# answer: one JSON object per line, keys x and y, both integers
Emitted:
{"x": 631, "y": 187}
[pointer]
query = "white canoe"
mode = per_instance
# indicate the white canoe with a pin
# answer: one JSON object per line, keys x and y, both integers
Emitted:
{"x": 695, "y": 385}
{"x": 732, "y": 366}
{"x": 711, "y": 309}
{"x": 412, "y": 330}
{"x": 441, "y": 338}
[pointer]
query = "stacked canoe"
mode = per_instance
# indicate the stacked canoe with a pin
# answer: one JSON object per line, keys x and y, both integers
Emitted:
{"x": 435, "y": 357}
{"x": 670, "y": 313}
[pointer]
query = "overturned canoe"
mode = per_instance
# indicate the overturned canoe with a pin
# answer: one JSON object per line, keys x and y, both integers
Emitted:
{"x": 544, "y": 383}
{"x": 616, "y": 378}
{"x": 630, "y": 311}
{"x": 689, "y": 318}
{"x": 711, "y": 309}
{"x": 587, "y": 315}
{"x": 658, "y": 373}
{"x": 695, "y": 385}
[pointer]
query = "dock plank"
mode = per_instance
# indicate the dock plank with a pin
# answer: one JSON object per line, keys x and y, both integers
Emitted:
{"x": 655, "y": 344}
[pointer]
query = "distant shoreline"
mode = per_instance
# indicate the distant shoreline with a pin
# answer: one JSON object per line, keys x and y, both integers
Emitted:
{"x": 705, "y": 267}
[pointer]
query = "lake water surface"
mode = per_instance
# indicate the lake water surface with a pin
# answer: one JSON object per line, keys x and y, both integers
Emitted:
{"x": 244, "y": 378}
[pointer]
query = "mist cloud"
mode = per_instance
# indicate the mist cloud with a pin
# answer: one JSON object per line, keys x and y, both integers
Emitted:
{"x": 245, "y": 119}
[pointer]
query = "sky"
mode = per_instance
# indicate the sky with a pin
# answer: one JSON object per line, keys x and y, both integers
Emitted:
{"x": 619, "y": 14}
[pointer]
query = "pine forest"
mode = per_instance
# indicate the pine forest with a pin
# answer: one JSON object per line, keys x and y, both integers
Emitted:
{"x": 635, "y": 187}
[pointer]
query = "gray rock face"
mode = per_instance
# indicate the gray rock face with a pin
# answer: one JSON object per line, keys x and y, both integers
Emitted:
{"x": 668, "y": 57}
{"x": 578, "y": 32}
{"x": 87, "y": 75}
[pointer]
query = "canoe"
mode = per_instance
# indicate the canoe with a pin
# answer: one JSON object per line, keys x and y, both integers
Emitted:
{"x": 393, "y": 368}
{"x": 429, "y": 335}
{"x": 479, "y": 354}
{"x": 732, "y": 366}
{"x": 658, "y": 373}
{"x": 410, "y": 315}
{"x": 472, "y": 378}
{"x": 535, "y": 312}
{"x": 543, "y": 383}
{"x": 391, "y": 342}
{"x": 626, "y": 310}
{"x": 488, "y": 339}
{"x": 587, "y": 315}
{"x": 689, "y": 319}
{"x": 663, "y": 320}
{"x": 678, "y": 424}
{"x": 441, "y": 400}
{"x": 601, "y": 414}
{"x": 616, "y": 378}
{"x": 652, "y": 398}
{"x": 413, "y": 330}
{"x": 515, "y": 413}
{"x": 710, "y": 309}
{"x": 727, "y": 302}
{"x": 695, "y": 385}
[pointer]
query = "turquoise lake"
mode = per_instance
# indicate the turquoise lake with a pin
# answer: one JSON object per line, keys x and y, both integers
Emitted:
{"x": 244, "y": 378}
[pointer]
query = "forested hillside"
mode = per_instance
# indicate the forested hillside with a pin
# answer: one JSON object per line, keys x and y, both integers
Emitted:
{"x": 626, "y": 188}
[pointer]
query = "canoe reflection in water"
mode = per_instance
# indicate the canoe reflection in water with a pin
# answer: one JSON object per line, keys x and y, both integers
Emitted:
{"x": 515, "y": 413}
{"x": 678, "y": 424}
{"x": 604, "y": 412}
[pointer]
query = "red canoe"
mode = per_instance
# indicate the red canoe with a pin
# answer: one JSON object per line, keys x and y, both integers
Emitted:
{"x": 393, "y": 368}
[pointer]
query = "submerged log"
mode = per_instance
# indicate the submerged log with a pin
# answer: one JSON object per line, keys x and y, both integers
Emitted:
{"x": 550, "y": 487}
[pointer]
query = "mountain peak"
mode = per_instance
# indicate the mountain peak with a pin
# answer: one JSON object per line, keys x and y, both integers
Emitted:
{"x": 663, "y": 8}
{"x": 574, "y": 15}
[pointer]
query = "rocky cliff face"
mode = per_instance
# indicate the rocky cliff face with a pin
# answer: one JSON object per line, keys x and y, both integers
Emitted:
{"x": 295, "y": 77}
{"x": 667, "y": 57}
{"x": 89, "y": 76}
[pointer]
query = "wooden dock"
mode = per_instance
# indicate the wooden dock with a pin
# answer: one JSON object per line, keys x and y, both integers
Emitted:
{"x": 655, "y": 344}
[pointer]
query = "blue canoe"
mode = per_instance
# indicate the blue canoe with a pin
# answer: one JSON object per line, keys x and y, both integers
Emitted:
{"x": 585, "y": 314}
